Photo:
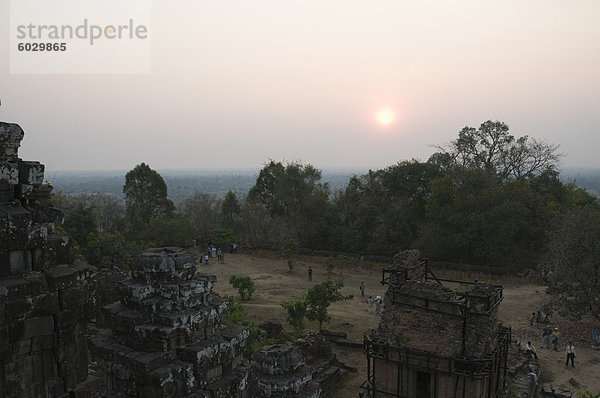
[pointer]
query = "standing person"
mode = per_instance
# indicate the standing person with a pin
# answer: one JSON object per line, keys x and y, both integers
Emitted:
{"x": 570, "y": 354}
{"x": 370, "y": 304}
{"x": 213, "y": 252}
{"x": 206, "y": 259}
{"x": 310, "y": 274}
{"x": 378, "y": 305}
{"x": 538, "y": 317}
{"x": 546, "y": 336}
{"x": 220, "y": 255}
{"x": 555, "y": 335}
{"x": 362, "y": 289}
{"x": 531, "y": 350}
{"x": 532, "y": 319}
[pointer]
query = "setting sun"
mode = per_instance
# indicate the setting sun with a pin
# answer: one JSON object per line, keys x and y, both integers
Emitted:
{"x": 385, "y": 116}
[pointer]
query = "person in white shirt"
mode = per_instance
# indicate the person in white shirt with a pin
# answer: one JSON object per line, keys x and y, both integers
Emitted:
{"x": 570, "y": 354}
{"x": 531, "y": 350}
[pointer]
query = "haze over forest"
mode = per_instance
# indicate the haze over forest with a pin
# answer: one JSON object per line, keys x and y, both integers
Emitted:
{"x": 183, "y": 184}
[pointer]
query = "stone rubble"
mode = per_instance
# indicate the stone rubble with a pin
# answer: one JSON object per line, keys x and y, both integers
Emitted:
{"x": 305, "y": 368}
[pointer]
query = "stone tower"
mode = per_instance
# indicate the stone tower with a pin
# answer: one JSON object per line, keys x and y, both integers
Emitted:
{"x": 433, "y": 341}
{"x": 45, "y": 294}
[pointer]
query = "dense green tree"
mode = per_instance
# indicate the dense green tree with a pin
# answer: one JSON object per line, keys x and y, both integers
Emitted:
{"x": 80, "y": 221}
{"x": 294, "y": 194}
{"x": 146, "y": 195}
{"x": 573, "y": 261}
{"x": 104, "y": 248}
{"x": 172, "y": 231}
{"x": 230, "y": 209}
{"x": 320, "y": 297}
{"x": 381, "y": 211}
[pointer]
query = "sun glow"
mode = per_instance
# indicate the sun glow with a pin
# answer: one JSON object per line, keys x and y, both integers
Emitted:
{"x": 385, "y": 116}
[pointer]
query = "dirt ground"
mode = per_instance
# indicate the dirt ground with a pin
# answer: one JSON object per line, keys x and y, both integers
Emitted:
{"x": 275, "y": 284}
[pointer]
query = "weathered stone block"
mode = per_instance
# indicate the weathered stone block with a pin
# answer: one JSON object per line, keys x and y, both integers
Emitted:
{"x": 59, "y": 251}
{"x": 10, "y": 172}
{"x": 31, "y": 173}
{"x": 15, "y": 225}
{"x": 40, "y": 326}
{"x": 40, "y": 343}
{"x": 11, "y": 135}
{"x": 61, "y": 277}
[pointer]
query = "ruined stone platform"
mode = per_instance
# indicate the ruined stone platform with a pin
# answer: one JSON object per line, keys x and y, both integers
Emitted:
{"x": 165, "y": 337}
{"x": 305, "y": 368}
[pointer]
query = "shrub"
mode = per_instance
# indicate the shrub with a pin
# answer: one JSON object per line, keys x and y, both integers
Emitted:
{"x": 296, "y": 310}
{"x": 244, "y": 286}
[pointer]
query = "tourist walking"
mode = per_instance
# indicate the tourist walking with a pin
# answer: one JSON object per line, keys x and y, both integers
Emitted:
{"x": 532, "y": 319}
{"x": 220, "y": 255}
{"x": 362, "y": 289}
{"x": 378, "y": 305}
{"x": 546, "y": 336}
{"x": 570, "y": 354}
{"x": 370, "y": 304}
{"x": 309, "y": 274}
{"x": 555, "y": 335}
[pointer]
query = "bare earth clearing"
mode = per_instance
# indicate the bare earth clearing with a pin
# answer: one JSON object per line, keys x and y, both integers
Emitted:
{"x": 275, "y": 284}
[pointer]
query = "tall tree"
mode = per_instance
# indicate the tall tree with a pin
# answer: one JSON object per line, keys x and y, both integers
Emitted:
{"x": 230, "y": 208}
{"x": 294, "y": 194}
{"x": 79, "y": 223}
{"x": 493, "y": 149}
{"x": 381, "y": 212}
{"x": 146, "y": 195}
{"x": 201, "y": 211}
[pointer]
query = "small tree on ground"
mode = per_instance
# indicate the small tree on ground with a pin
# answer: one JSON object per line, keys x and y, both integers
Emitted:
{"x": 296, "y": 310}
{"x": 288, "y": 249}
{"x": 244, "y": 286}
{"x": 237, "y": 314}
{"x": 320, "y": 297}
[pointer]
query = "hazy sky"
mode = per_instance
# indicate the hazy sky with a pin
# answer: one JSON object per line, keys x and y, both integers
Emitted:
{"x": 235, "y": 83}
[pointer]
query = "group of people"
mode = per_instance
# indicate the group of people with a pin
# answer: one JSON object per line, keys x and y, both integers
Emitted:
{"x": 552, "y": 335}
{"x": 213, "y": 252}
{"x": 377, "y": 301}
{"x": 539, "y": 317}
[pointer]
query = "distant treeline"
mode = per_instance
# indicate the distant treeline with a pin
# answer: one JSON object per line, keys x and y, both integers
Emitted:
{"x": 488, "y": 198}
{"x": 181, "y": 184}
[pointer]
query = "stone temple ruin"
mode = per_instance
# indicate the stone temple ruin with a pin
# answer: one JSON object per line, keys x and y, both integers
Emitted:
{"x": 433, "y": 341}
{"x": 44, "y": 292}
{"x": 165, "y": 337}
{"x": 158, "y": 333}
